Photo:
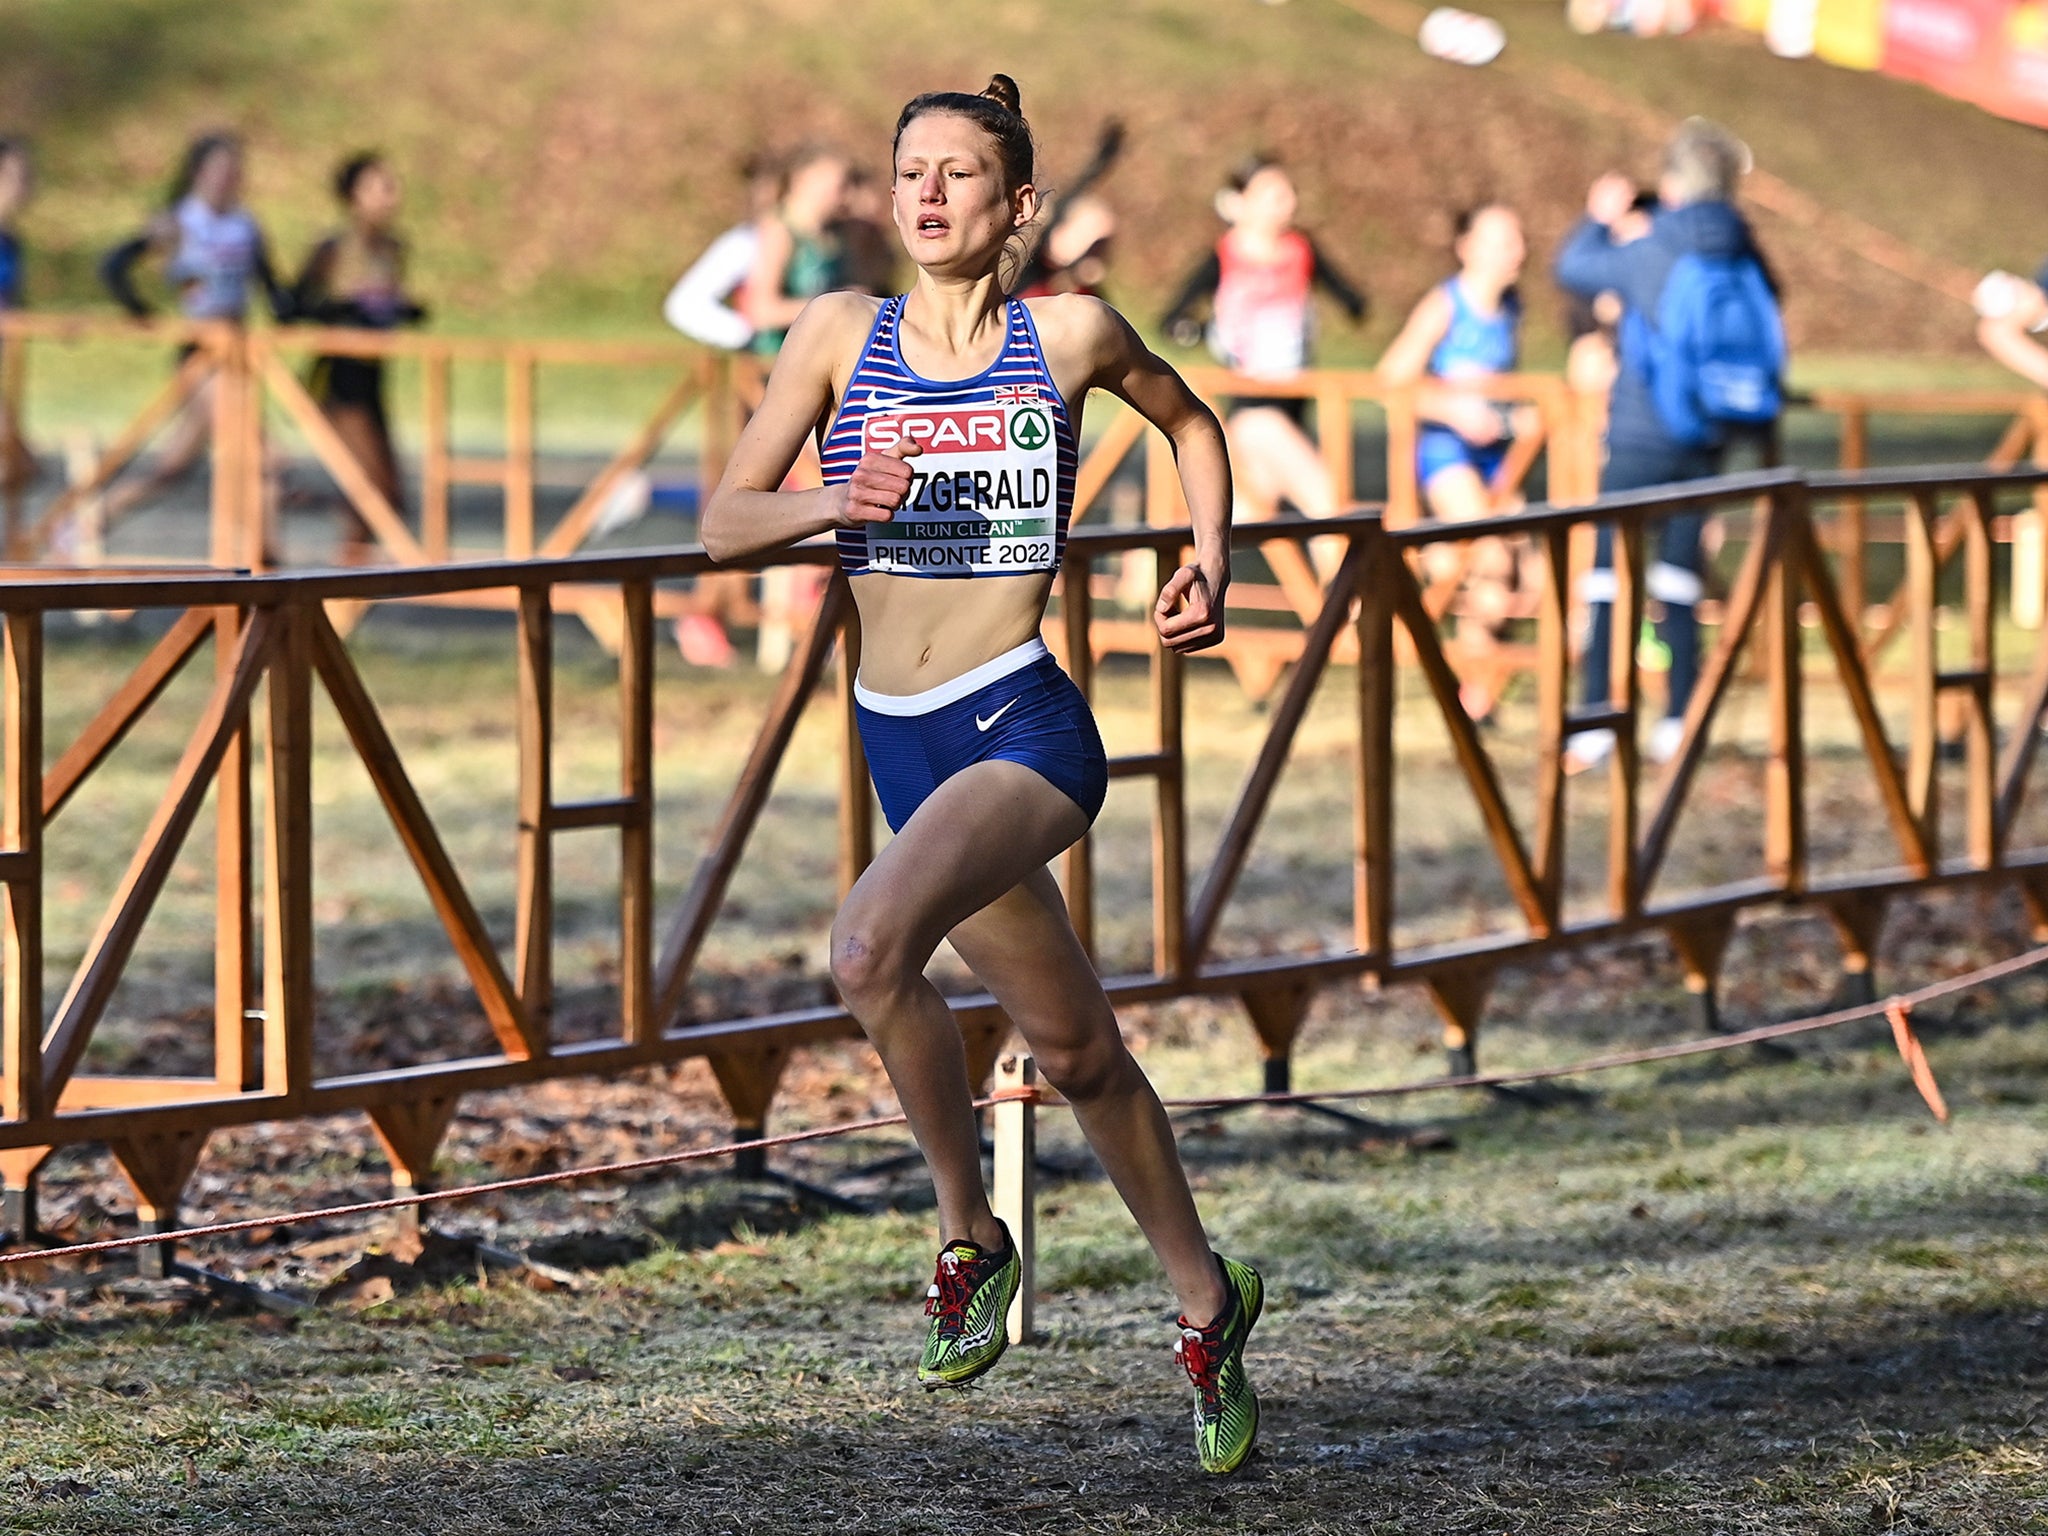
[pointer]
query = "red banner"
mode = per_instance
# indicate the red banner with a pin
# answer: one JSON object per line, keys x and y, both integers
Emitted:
{"x": 1991, "y": 52}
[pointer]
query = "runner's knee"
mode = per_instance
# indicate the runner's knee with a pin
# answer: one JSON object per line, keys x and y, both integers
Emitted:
{"x": 868, "y": 963}
{"x": 1088, "y": 1069}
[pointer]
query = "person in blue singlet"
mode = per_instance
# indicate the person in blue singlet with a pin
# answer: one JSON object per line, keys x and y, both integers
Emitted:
{"x": 212, "y": 253}
{"x": 948, "y": 421}
{"x": 1465, "y": 329}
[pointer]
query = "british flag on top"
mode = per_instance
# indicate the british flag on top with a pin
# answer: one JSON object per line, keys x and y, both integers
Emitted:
{"x": 1015, "y": 394}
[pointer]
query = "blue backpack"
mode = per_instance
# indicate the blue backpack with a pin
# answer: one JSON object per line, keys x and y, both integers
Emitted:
{"x": 1715, "y": 355}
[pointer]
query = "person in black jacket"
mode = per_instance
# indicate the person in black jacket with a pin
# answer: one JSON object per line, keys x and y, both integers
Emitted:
{"x": 356, "y": 277}
{"x": 1693, "y": 213}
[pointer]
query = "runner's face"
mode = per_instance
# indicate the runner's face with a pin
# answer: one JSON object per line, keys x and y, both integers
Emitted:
{"x": 1268, "y": 204}
{"x": 1493, "y": 249}
{"x": 376, "y": 196}
{"x": 219, "y": 181}
{"x": 951, "y": 207}
{"x": 816, "y": 192}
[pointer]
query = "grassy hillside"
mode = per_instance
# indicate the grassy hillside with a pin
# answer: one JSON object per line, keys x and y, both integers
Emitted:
{"x": 566, "y": 156}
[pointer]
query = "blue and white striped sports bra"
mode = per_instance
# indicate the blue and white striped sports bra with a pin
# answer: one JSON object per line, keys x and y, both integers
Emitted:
{"x": 993, "y": 490}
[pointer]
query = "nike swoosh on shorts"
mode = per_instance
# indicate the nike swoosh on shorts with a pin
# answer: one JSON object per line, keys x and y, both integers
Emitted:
{"x": 982, "y": 725}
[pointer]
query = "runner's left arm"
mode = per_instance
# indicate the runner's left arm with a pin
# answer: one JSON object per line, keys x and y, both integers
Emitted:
{"x": 750, "y": 513}
{"x": 1189, "y": 614}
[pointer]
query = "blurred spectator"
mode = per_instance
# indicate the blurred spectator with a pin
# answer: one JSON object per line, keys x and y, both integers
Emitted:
{"x": 17, "y": 181}
{"x": 1701, "y": 356}
{"x": 1467, "y": 328}
{"x": 700, "y": 304}
{"x": 356, "y": 277}
{"x": 1591, "y": 323}
{"x": 213, "y": 252}
{"x": 1259, "y": 283}
{"x": 798, "y": 254}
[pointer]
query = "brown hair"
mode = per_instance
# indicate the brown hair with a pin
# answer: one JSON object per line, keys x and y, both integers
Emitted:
{"x": 998, "y": 112}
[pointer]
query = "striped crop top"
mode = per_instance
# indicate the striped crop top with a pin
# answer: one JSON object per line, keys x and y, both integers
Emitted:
{"x": 991, "y": 493}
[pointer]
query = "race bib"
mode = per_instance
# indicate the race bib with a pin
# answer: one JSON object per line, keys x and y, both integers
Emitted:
{"x": 984, "y": 494}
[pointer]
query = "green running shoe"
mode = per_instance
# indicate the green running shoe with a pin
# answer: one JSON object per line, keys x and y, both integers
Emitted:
{"x": 1226, "y": 1407}
{"x": 969, "y": 1305}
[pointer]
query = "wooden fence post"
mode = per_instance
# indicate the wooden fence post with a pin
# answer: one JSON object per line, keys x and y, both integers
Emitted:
{"x": 1016, "y": 1180}
{"x": 288, "y": 865}
{"x": 1372, "y": 863}
{"x": 519, "y": 370}
{"x": 21, "y": 896}
{"x": 237, "y": 1058}
{"x": 636, "y": 836}
{"x": 534, "y": 922}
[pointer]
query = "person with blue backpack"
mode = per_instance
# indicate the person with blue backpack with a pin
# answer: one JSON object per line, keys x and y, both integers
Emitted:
{"x": 1702, "y": 362}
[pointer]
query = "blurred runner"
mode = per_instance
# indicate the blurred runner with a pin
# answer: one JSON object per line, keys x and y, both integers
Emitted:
{"x": 1468, "y": 328}
{"x": 1070, "y": 249}
{"x": 801, "y": 254}
{"x": 797, "y": 254}
{"x": 356, "y": 277}
{"x": 212, "y": 252}
{"x": 2012, "y": 313}
{"x": 1259, "y": 284}
{"x": 702, "y": 305}
{"x": 17, "y": 181}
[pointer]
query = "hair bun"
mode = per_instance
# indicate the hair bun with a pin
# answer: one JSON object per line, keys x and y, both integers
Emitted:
{"x": 1002, "y": 90}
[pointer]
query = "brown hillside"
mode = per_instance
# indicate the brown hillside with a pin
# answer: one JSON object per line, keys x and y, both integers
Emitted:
{"x": 565, "y": 158}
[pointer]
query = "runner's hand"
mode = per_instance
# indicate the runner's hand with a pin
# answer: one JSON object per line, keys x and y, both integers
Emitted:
{"x": 878, "y": 485}
{"x": 1189, "y": 613}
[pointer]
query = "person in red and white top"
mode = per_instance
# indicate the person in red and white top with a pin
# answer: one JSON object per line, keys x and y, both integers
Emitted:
{"x": 1259, "y": 285}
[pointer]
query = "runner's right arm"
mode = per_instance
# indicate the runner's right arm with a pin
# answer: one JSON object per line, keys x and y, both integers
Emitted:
{"x": 117, "y": 274}
{"x": 1200, "y": 285}
{"x": 749, "y": 513}
{"x": 2010, "y": 336}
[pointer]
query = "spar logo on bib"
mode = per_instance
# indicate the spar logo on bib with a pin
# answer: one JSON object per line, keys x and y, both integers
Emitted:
{"x": 1029, "y": 429}
{"x": 972, "y": 430}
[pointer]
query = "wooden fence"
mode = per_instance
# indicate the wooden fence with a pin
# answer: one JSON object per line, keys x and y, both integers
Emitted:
{"x": 272, "y": 642}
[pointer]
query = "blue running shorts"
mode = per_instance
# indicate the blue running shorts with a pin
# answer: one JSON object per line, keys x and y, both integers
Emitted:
{"x": 1438, "y": 448}
{"x": 1018, "y": 708}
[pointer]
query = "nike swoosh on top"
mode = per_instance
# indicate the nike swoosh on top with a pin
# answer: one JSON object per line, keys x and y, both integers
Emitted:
{"x": 982, "y": 725}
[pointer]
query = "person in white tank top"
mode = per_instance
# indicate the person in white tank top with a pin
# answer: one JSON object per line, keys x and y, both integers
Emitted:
{"x": 212, "y": 253}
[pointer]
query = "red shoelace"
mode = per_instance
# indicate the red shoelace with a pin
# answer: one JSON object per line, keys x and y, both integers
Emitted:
{"x": 1200, "y": 1359}
{"x": 947, "y": 1299}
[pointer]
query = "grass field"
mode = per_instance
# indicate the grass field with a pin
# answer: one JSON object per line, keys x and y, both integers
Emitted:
{"x": 1741, "y": 1295}
{"x": 1732, "y": 1298}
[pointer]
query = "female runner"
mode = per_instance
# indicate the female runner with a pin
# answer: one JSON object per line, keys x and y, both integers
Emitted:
{"x": 356, "y": 277}
{"x": 213, "y": 253}
{"x": 948, "y": 420}
{"x": 1465, "y": 329}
